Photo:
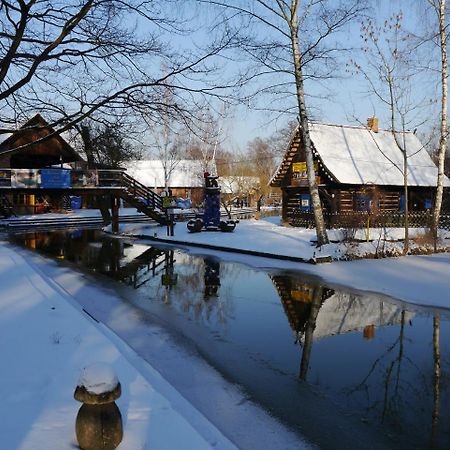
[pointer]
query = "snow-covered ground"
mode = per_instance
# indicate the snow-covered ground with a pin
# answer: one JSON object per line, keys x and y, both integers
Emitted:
{"x": 422, "y": 280}
{"x": 70, "y": 214}
{"x": 46, "y": 342}
{"x": 48, "y": 337}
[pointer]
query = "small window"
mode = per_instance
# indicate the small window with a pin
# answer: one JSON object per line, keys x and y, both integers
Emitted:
{"x": 362, "y": 202}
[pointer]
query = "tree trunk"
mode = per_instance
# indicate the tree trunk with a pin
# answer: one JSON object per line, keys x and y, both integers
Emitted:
{"x": 405, "y": 190}
{"x": 443, "y": 131}
{"x": 321, "y": 233}
{"x": 86, "y": 137}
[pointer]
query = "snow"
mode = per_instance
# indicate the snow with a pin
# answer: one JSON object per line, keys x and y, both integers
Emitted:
{"x": 358, "y": 314}
{"x": 98, "y": 378}
{"x": 46, "y": 340}
{"x": 356, "y": 155}
{"x": 49, "y": 336}
{"x": 421, "y": 280}
{"x": 70, "y": 214}
{"x": 185, "y": 173}
{"x": 4, "y": 137}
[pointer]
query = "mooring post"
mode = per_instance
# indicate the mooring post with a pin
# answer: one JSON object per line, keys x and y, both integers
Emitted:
{"x": 99, "y": 422}
{"x": 115, "y": 213}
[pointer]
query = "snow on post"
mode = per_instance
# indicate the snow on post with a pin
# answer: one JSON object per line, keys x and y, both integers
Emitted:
{"x": 99, "y": 422}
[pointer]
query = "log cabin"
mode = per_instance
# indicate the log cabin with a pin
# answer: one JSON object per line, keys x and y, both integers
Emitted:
{"x": 357, "y": 169}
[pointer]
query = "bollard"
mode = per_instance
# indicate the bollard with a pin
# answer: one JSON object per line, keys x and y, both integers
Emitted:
{"x": 99, "y": 422}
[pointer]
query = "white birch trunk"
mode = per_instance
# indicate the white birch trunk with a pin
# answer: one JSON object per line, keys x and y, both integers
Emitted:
{"x": 444, "y": 128}
{"x": 321, "y": 233}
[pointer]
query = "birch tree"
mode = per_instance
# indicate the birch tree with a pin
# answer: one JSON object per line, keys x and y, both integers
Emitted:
{"x": 291, "y": 42}
{"x": 439, "y": 6}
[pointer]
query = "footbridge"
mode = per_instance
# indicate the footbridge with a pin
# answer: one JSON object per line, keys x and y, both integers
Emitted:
{"x": 105, "y": 183}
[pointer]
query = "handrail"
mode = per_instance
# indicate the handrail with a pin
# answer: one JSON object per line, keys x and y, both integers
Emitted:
{"x": 138, "y": 189}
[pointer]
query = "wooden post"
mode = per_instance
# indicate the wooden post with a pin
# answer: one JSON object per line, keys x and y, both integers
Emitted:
{"x": 115, "y": 213}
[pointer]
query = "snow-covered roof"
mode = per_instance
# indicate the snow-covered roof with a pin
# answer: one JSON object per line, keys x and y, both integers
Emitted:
{"x": 187, "y": 173}
{"x": 4, "y": 136}
{"x": 356, "y": 155}
{"x": 238, "y": 184}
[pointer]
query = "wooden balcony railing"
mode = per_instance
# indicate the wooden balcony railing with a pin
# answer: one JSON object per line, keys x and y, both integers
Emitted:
{"x": 56, "y": 178}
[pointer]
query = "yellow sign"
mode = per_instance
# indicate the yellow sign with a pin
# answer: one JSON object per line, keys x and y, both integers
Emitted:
{"x": 301, "y": 167}
{"x": 302, "y": 295}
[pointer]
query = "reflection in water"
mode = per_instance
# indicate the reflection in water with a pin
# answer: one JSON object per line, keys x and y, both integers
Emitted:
{"x": 375, "y": 359}
{"x": 436, "y": 382}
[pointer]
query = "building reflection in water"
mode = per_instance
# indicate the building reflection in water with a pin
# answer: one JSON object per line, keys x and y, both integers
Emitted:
{"x": 315, "y": 313}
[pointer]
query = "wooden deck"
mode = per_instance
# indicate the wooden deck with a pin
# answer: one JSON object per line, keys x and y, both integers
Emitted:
{"x": 94, "y": 181}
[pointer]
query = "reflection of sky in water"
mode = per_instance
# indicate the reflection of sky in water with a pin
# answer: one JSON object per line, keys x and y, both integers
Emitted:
{"x": 373, "y": 359}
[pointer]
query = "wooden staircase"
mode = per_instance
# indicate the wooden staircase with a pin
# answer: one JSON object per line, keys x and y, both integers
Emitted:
{"x": 6, "y": 209}
{"x": 143, "y": 199}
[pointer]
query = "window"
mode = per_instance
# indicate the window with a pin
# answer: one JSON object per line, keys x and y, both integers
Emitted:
{"x": 362, "y": 202}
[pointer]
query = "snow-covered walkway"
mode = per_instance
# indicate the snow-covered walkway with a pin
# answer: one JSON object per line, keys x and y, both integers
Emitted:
{"x": 46, "y": 340}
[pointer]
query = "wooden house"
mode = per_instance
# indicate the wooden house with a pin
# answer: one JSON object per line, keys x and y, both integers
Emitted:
{"x": 185, "y": 177}
{"x": 53, "y": 152}
{"x": 358, "y": 169}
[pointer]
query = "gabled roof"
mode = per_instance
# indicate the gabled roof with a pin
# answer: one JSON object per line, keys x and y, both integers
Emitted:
{"x": 186, "y": 173}
{"x": 356, "y": 155}
{"x": 20, "y": 137}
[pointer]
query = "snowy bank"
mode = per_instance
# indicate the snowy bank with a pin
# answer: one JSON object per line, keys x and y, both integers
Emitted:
{"x": 47, "y": 340}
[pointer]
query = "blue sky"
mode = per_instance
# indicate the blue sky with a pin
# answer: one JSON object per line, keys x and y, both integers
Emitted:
{"x": 345, "y": 99}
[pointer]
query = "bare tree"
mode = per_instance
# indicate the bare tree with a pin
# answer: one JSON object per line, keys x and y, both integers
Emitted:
{"x": 391, "y": 79}
{"x": 264, "y": 164}
{"x": 167, "y": 138}
{"x": 207, "y": 136}
{"x": 439, "y": 6}
{"x": 70, "y": 59}
{"x": 291, "y": 42}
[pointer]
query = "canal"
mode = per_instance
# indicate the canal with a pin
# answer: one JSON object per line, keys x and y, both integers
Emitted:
{"x": 327, "y": 363}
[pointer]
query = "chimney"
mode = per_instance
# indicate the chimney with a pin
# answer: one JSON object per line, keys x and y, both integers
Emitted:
{"x": 372, "y": 124}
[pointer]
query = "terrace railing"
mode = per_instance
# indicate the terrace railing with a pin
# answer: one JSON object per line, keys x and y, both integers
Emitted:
{"x": 355, "y": 220}
{"x": 131, "y": 190}
{"x": 57, "y": 178}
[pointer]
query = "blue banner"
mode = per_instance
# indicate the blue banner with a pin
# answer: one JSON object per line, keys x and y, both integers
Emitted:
{"x": 55, "y": 178}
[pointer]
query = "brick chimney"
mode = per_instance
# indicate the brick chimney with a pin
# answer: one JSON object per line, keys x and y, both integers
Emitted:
{"x": 372, "y": 124}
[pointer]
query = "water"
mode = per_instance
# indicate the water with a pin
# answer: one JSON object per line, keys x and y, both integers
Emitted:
{"x": 314, "y": 357}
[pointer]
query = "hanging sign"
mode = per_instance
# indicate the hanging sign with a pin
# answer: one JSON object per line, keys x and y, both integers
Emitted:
{"x": 55, "y": 178}
{"x": 84, "y": 178}
{"x": 169, "y": 202}
{"x": 25, "y": 178}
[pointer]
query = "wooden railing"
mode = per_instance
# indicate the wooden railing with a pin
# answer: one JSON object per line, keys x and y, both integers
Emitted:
{"x": 356, "y": 220}
{"x": 57, "y": 178}
{"x": 139, "y": 190}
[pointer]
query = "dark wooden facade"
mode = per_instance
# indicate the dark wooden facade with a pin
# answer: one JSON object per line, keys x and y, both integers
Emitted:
{"x": 339, "y": 198}
{"x": 22, "y": 150}
{"x": 52, "y": 151}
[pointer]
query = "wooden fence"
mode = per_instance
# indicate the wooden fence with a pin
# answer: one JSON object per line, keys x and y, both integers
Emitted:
{"x": 355, "y": 220}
